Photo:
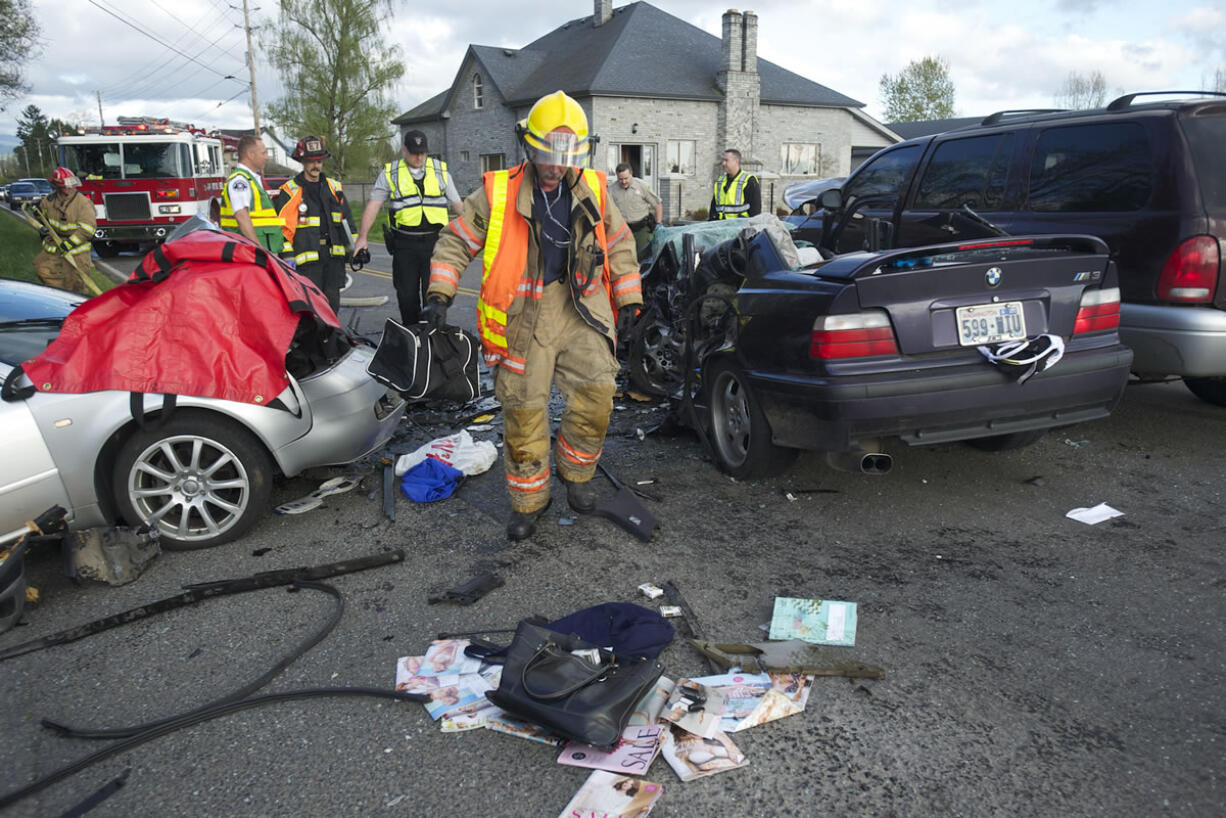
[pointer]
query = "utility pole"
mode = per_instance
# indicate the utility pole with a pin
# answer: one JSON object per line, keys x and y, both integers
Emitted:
{"x": 255, "y": 105}
{"x": 101, "y": 121}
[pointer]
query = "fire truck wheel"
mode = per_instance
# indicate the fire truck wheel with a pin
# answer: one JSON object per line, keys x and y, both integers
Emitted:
{"x": 107, "y": 249}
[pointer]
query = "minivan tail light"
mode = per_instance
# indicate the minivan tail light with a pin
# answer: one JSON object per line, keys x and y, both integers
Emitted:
{"x": 858, "y": 335}
{"x": 1190, "y": 273}
{"x": 1099, "y": 311}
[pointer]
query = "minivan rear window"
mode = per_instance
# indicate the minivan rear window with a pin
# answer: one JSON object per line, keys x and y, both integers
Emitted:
{"x": 1206, "y": 132}
{"x": 967, "y": 171}
{"x": 1105, "y": 167}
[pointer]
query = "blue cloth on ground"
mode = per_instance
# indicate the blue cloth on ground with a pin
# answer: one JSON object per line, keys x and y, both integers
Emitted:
{"x": 430, "y": 480}
{"x": 630, "y": 630}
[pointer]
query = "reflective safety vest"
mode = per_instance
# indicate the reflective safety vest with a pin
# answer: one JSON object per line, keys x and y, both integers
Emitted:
{"x": 264, "y": 218}
{"x": 409, "y": 203}
{"x": 505, "y": 276}
{"x": 730, "y": 203}
{"x": 304, "y": 232}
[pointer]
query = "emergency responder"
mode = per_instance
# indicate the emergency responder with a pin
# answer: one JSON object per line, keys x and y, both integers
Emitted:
{"x": 418, "y": 192}
{"x": 318, "y": 225}
{"x": 558, "y": 267}
{"x": 737, "y": 192}
{"x": 641, "y": 208}
{"x": 64, "y": 261}
{"x": 246, "y": 208}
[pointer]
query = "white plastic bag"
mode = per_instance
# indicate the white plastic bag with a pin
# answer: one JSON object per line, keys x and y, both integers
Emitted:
{"x": 459, "y": 451}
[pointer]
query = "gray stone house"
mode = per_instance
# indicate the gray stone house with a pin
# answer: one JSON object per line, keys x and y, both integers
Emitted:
{"x": 661, "y": 94}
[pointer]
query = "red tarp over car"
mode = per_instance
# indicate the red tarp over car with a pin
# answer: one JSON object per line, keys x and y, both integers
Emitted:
{"x": 209, "y": 314}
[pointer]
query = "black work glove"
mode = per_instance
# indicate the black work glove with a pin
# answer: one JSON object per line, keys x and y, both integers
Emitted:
{"x": 626, "y": 316}
{"x": 360, "y": 259}
{"x": 44, "y": 233}
{"x": 435, "y": 312}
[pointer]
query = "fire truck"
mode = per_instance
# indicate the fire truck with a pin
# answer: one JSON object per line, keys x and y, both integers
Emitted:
{"x": 144, "y": 176}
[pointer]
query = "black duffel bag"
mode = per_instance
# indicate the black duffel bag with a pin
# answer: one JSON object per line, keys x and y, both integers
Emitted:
{"x": 427, "y": 364}
{"x": 587, "y": 697}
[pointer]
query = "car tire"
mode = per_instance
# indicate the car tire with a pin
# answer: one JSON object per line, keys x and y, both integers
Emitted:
{"x": 202, "y": 478}
{"x": 1210, "y": 390}
{"x": 740, "y": 434}
{"x": 654, "y": 360}
{"x": 1005, "y": 443}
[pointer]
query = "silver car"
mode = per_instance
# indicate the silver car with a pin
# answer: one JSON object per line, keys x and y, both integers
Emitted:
{"x": 204, "y": 475}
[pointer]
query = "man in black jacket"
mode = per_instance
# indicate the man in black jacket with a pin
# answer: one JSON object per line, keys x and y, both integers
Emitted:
{"x": 318, "y": 224}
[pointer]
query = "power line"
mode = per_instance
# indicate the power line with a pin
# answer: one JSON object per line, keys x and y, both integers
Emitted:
{"x": 191, "y": 30}
{"x": 150, "y": 69}
{"x": 157, "y": 40}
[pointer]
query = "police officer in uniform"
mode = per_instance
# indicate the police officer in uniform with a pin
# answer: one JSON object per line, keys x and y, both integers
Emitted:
{"x": 65, "y": 264}
{"x": 318, "y": 225}
{"x": 418, "y": 191}
{"x": 737, "y": 193}
{"x": 246, "y": 208}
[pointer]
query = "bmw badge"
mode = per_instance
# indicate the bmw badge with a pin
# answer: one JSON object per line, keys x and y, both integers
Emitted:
{"x": 993, "y": 276}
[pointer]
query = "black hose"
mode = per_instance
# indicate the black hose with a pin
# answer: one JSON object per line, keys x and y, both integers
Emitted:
{"x": 198, "y": 717}
{"x": 241, "y": 693}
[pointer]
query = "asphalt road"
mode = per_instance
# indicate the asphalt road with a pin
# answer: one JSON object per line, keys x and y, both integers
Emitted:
{"x": 1036, "y": 666}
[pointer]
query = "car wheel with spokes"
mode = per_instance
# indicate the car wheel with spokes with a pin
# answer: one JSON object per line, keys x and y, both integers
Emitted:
{"x": 203, "y": 479}
{"x": 740, "y": 433}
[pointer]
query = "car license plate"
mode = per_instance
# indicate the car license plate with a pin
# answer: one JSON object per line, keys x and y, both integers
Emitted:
{"x": 991, "y": 323}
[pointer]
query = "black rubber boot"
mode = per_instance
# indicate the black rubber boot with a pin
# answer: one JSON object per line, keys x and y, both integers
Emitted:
{"x": 522, "y": 525}
{"x": 581, "y": 497}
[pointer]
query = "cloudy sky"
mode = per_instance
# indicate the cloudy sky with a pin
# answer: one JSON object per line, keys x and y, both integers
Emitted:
{"x": 1001, "y": 54}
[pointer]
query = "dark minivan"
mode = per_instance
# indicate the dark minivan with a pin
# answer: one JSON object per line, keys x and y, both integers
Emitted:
{"x": 1148, "y": 178}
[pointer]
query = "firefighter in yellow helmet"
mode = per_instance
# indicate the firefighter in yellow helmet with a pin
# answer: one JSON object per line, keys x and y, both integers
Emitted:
{"x": 64, "y": 261}
{"x": 559, "y": 284}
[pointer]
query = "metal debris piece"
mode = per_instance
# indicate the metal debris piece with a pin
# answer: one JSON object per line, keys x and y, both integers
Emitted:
{"x": 470, "y": 591}
{"x": 792, "y": 656}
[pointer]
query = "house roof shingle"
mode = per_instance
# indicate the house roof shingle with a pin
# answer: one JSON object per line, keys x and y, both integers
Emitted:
{"x": 641, "y": 51}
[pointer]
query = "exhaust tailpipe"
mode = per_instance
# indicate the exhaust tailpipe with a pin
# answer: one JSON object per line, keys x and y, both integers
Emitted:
{"x": 862, "y": 461}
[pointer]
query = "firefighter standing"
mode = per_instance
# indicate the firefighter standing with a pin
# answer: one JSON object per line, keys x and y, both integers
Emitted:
{"x": 64, "y": 261}
{"x": 418, "y": 191}
{"x": 559, "y": 264}
{"x": 737, "y": 193}
{"x": 246, "y": 208}
{"x": 318, "y": 225}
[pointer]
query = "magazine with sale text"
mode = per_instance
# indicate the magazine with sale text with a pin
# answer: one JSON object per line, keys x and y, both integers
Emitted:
{"x": 637, "y": 748}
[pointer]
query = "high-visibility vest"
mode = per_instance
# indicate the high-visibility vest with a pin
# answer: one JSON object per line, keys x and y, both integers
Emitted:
{"x": 410, "y": 203}
{"x": 264, "y": 218}
{"x": 302, "y": 231}
{"x": 730, "y": 203}
{"x": 504, "y": 276}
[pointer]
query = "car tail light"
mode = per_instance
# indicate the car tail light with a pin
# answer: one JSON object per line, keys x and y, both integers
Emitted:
{"x": 1190, "y": 274}
{"x": 857, "y": 335}
{"x": 1099, "y": 311}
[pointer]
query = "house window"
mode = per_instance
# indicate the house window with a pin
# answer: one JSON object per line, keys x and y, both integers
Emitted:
{"x": 463, "y": 156}
{"x": 492, "y": 161}
{"x": 680, "y": 158}
{"x": 478, "y": 92}
{"x": 798, "y": 158}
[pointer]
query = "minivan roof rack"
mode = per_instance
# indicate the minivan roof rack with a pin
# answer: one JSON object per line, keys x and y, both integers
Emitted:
{"x": 1120, "y": 103}
{"x": 992, "y": 119}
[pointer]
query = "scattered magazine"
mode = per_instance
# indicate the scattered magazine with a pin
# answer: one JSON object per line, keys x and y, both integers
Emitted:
{"x": 609, "y": 795}
{"x": 694, "y": 707}
{"x": 445, "y": 657}
{"x": 693, "y": 756}
{"x": 500, "y": 722}
{"x": 751, "y": 699}
{"x": 647, "y": 711}
{"x": 633, "y": 754}
{"x": 821, "y": 621}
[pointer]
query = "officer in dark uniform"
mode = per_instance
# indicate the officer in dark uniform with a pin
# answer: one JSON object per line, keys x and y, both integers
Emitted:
{"x": 318, "y": 224}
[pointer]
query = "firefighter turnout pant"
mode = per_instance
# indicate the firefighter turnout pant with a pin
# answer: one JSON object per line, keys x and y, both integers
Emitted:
{"x": 328, "y": 274}
{"x": 63, "y": 272}
{"x": 411, "y": 272}
{"x": 568, "y": 353}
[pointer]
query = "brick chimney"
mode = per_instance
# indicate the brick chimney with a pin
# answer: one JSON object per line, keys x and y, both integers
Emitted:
{"x": 602, "y": 12}
{"x": 742, "y": 87}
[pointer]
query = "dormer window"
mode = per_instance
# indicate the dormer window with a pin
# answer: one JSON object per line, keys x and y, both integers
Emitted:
{"x": 478, "y": 92}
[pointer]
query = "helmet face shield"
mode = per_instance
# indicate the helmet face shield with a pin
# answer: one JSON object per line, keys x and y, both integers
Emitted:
{"x": 558, "y": 148}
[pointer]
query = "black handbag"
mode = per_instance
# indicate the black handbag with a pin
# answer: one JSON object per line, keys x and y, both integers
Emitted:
{"x": 589, "y": 700}
{"x": 423, "y": 363}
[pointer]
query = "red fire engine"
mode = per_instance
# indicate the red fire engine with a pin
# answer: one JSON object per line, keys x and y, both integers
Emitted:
{"x": 144, "y": 176}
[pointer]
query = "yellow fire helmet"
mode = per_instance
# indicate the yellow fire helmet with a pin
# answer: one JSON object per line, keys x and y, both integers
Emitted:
{"x": 555, "y": 132}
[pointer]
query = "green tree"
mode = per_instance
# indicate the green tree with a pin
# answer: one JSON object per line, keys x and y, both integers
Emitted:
{"x": 36, "y": 149}
{"x": 922, "y": 90}
{"x": 334, "y": 57}
{"x": 18, "y": 43}
{"x": 1082, "y": 91}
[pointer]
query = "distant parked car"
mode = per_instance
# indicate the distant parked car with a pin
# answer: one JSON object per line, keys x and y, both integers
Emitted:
{"x": 23, "y": 193}
{"x": 4, "y": 192}
{"x": 1145, "y": 177}
{"x": 43, "y": 186}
